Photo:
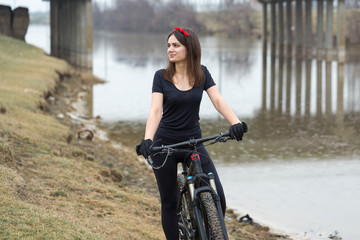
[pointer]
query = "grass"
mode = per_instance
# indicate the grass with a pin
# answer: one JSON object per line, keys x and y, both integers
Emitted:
{"x": 52, "y": 187}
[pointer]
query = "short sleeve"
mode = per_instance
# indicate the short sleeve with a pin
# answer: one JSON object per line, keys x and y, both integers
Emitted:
{"x": 209, "y": 81}
{"x": 157, "y": 82}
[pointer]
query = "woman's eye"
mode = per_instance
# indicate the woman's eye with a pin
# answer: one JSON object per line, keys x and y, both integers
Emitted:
{"x": 174, "y": 45}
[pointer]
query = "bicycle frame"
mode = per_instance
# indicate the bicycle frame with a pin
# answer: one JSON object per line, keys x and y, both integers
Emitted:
{"x": 193, "y": 177}
{"x": 204, "y": 200}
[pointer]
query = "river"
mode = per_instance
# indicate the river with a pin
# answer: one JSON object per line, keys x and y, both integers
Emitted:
{"x": 297, "y": 170}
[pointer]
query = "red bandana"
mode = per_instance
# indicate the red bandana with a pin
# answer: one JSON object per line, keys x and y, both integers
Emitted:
{"x": 182, "y": 31}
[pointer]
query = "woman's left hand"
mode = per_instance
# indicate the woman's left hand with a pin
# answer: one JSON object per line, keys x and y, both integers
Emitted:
{"x": 237, "y": 130}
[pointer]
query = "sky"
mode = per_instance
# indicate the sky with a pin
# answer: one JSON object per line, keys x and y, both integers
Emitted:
{"x": 44, "y": 6}
{"x": 32, "y": 5}
{"x": 37, "y": 5}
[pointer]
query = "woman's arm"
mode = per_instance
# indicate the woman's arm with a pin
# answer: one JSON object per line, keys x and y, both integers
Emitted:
{"x": 221, "y": 106}
{"x": 154, "y": 115}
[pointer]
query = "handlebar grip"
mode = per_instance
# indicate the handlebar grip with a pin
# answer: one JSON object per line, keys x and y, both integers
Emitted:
{"x": 226, "y": 134}
{"x": 156, "y": 149}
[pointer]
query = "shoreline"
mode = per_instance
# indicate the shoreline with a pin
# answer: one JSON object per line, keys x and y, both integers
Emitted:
{"x": 274, "y": 228}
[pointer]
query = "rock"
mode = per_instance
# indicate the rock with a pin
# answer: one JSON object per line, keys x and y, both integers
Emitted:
{"x": 20, "y": 22}
{"x": 85, "y": 134}
{"x": 14, "y": 23}
{"x": 5, "y": 20}
{"x": 60, "y": 116}
{"x": 2, "y": 110}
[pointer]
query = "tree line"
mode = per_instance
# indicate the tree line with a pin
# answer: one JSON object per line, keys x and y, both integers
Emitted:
{"x": 161, "y": 16}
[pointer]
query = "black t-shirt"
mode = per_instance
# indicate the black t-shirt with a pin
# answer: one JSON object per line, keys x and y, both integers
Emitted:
{"x": 180, "y": 108}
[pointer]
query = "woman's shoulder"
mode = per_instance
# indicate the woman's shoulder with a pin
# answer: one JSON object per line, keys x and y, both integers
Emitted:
{"x": 205, "y": 71}
{"x": 208, "y": 80}
{"x": 160, "y": 72}
{"x": 204, "y": 68}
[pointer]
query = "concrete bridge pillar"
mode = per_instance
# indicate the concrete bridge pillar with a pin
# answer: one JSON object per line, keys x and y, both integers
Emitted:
{"x": 264, "y": 45}
{"x": 304, "y": 44}
{"x": 273, "y": 54}
{"x": 341, "y": 31}
{"x": 14, "y": 23}
{"x": 71, "y": 32}
{"x": 329, "y": 54}
{"x": 299, "y": 29}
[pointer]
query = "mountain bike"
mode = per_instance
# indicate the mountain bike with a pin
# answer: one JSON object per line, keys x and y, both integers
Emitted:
{"x": 200, "y": 216}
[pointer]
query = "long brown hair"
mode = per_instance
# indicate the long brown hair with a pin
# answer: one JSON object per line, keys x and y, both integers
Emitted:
{"x": 193, "y": 57}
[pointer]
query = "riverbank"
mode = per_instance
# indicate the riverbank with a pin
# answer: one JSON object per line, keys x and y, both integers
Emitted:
{"x": 58, "y": 184}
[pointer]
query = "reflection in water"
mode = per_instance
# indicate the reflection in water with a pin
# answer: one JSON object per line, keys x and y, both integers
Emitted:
{"x": 298, "y": 86}
{"x": 311, "y": 95}
{"x": 281, "y": 73}
{"x": 288, "y": 79}
{"x": 340, "y": 99}
{"x": 303, "y": 115}
{"x": 307, "y": 87}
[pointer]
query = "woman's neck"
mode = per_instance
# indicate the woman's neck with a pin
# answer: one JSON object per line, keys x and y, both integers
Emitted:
{"x": 181, "y": 69}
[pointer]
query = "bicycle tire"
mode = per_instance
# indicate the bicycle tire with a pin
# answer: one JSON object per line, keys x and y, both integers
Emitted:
{"x": 212, "y": 222}
{"x": 185, "y": 214}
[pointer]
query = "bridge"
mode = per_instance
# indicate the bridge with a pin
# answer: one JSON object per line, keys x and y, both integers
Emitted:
{"x": 72, "y": 32}
{"x": 295, "y": 37}
{"x": 303, "y": 37}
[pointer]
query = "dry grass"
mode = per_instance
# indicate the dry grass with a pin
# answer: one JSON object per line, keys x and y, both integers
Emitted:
{"x": 52, "y": 189}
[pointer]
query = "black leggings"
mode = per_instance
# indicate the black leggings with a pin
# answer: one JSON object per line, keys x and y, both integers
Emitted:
{"x": 166, "y": 178}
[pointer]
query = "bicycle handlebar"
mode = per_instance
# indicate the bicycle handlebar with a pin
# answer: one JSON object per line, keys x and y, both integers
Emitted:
{"x": 192, "y": 142}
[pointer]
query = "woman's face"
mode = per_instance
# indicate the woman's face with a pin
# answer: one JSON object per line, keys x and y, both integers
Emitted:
{"x": 176, "y": 51}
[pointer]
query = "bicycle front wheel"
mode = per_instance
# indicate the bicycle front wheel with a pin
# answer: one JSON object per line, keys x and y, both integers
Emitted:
{"x": 185, "y": 214}
{"x": 214, "y": 225}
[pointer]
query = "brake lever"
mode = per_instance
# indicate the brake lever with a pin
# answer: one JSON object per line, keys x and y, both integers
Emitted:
{"x": 167, "y": 151}
{"x": 225, "y": 139}
{"x": 220, "y": 139}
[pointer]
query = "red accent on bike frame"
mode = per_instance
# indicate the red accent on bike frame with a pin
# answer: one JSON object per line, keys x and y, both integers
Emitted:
{"x": 195, "y": 155}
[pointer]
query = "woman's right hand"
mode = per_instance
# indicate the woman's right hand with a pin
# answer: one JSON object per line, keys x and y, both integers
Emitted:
{"x": 144, "y": 148}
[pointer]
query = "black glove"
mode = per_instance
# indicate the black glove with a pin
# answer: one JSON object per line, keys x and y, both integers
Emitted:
{"x": 237, "y": 130}
{"x": 143, "y": 148}
{"x": 245, "y": 126}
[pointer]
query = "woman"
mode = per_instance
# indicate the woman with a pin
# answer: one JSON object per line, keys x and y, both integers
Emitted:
{"x": 174, "y": 117}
